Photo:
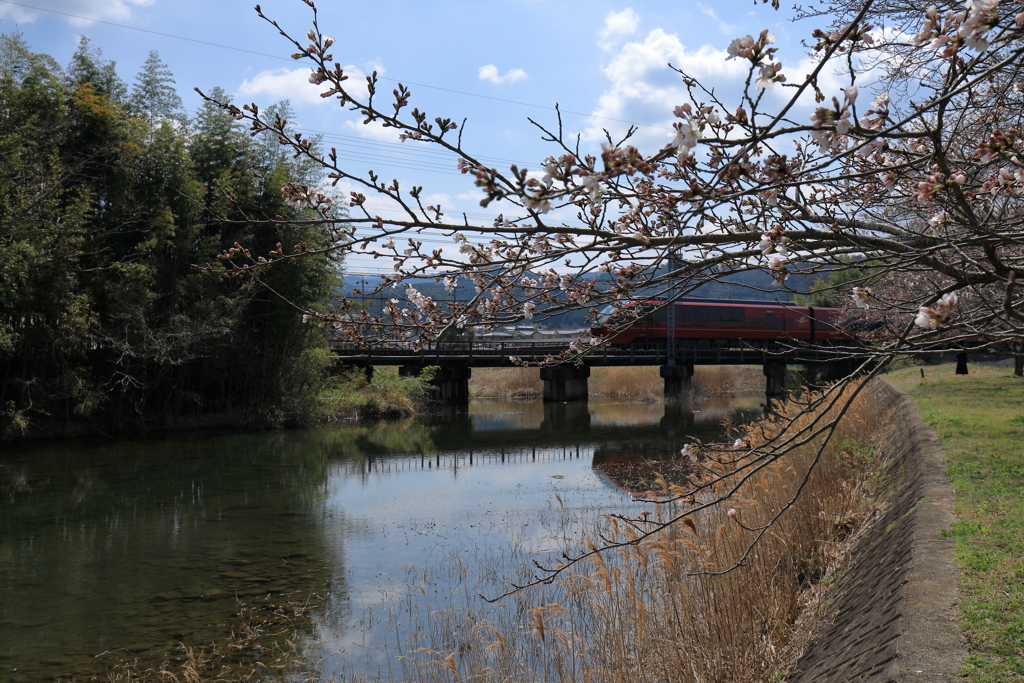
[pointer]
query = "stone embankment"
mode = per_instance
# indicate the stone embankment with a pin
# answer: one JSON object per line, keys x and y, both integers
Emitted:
{"x": 893, "y": 617}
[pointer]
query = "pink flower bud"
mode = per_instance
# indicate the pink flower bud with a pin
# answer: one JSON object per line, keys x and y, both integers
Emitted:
{"x": 732, "y": 513}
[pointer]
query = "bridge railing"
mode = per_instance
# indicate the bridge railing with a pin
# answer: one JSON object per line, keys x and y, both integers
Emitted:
{"x": 649, "y": 353}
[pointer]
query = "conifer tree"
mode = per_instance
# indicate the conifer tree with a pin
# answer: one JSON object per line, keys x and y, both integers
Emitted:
{"x": 153, "y": 91}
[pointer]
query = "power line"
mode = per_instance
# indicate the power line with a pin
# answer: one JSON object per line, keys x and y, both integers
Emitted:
{"x": 288, "y": 59}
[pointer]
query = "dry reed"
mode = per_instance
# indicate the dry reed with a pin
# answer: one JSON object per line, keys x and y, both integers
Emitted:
{"x": 637, "y": 383}
{"x": 506, "y": 383}
{"x": 694, "y": 602}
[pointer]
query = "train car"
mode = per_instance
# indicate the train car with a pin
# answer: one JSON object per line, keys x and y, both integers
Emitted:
{"x": 720, "y": 321}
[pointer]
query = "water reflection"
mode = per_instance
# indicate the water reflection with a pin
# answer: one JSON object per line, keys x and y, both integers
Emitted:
{"x": 131, "y": 548}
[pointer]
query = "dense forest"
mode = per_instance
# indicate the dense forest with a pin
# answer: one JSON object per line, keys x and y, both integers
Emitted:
{"x": 110, "y": 197}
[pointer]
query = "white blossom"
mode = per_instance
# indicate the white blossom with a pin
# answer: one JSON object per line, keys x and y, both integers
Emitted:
{"x": 740, "y": 47}
{"x": 860, "y": 296}
{"x": 931, "y": 318}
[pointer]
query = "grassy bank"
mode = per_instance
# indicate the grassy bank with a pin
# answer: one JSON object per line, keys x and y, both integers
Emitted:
{"x": 979, "y": 419}
{"x": 636, "y": 383}
{"x": 351, "y": 395}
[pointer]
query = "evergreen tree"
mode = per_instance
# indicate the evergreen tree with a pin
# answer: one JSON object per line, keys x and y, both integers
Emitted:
{"x": 153, "y": 91}
{"x": 88, "y": 66}
{"x": 106, "y": 210}
{"x": 45, "y": 314}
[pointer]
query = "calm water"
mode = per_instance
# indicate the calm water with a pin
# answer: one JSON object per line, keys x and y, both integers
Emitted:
{"x": 122, "y": 551}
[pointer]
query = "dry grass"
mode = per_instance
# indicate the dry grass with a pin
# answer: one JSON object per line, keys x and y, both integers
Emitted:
{"x": 506, "y": 383}
{"x": 716, "y": 380}
{"x": 660, "y": 611}
{"x": 261, "y": 646}
{"x": 638, "y": 383}
{"x": 694, "y": 602}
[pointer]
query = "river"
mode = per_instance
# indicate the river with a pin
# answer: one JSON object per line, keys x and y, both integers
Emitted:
{"x": 124, "y": 551}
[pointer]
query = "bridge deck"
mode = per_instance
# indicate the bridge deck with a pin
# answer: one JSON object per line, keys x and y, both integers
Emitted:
{"x": 501, "y": 354}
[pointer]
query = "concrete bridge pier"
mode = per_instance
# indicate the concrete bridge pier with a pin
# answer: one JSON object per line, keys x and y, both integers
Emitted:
{"x": 565, "y": 382}
{"x": 776, "y": 381}
{"x": 677, "y": 379}
{"x": 449, "y": 385}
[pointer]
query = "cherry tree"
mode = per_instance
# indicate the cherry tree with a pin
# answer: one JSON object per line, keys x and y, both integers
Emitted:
{"x": 922, "y": 190}
{"x": 911, "y": 172}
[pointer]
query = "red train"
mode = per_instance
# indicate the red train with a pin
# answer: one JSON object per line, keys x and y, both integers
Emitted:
{"x": 720, "y": 319}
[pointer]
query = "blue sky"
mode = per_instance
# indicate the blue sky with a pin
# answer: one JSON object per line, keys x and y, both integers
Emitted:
{"x": 495, "y": 62}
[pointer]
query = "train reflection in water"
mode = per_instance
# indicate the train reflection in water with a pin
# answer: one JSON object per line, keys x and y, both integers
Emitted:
{"x": 634, "y": 466}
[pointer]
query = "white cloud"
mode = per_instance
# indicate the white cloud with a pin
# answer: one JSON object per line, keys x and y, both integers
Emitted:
{"x": 832, "y": 80}
{"x": 617, "y": 25}
{"x": 106, "y": 10}
{"x": 282, "y": 84}
{"x": 294, "y": 85}
{"x": 490, "y": 73}
{"x": 644, "y": 89}
{"x": 710, "y": 12}
{"x": 372, "y": 131}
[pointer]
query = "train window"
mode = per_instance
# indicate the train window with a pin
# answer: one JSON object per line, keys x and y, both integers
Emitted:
{"x": 700, "y": 315}
{"x": 769, "y": 321}
{"x": 687, "y": 313}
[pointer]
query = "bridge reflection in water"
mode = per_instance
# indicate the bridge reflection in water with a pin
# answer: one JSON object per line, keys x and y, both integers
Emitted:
{"x": 568, "y": 382}
{"x": 625, "y": 450}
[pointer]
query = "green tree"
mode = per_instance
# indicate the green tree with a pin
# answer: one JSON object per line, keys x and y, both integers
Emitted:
{"x": 45, "y": 316}
{"x": 833, "y": 290}
{"x": 108, "y": 207}
{"x": 153, "y": 91}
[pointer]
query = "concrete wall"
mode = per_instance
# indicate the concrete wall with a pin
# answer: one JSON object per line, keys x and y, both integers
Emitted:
{"x": 893, "y": 617}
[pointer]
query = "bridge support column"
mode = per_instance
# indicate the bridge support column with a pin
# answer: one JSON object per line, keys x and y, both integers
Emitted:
{"x": 565, "y": 382}
{"x": 776, "y": 381}
{"x": 449, "y": 385}
{"x": 677, "y": 379}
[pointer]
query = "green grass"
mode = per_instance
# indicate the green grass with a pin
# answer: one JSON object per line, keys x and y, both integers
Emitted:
{"x": 979, "y": 420}
{"x": 389, "y": 395}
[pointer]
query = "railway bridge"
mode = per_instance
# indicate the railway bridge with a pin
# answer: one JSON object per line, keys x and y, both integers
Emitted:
{"x": 568, "y": 382}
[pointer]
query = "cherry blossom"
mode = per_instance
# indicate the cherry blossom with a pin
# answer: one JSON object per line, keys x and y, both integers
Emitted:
{"x": 932, "y": 318}
{"x": 860, "y": 296}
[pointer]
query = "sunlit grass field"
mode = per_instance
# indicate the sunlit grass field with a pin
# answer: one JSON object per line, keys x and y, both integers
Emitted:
{"x": 979, "y": 419}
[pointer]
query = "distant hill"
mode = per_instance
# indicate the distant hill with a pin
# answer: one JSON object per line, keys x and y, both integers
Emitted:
{"x": 750, "y": 285}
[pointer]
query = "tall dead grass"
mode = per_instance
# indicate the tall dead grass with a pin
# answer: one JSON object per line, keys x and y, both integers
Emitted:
{"x": 697, "y": 601}
{"x": 506, "y": 383}
{"x": 717, "y": 380}
{"x": 637, "y": 383}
